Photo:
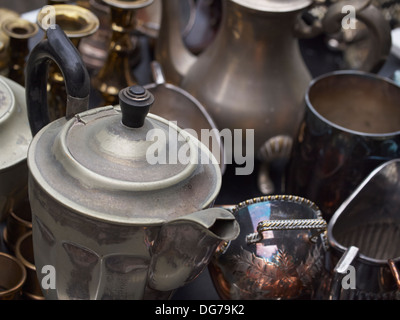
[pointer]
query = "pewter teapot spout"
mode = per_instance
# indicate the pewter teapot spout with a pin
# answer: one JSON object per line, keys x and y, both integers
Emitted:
{"x": 191, "y": 241}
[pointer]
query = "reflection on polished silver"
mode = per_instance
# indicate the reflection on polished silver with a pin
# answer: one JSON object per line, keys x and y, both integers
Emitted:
{"x": 344, "y": 136}
{"x": 369, "y": 222}
{"x": 275, "y": 149}
{"x": 284, "y": 263}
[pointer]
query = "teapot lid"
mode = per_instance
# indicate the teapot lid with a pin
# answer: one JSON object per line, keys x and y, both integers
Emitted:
{"x": 275, "y": 5}
{"x": 15, "y": 132}
{"x": 142, "y": 167}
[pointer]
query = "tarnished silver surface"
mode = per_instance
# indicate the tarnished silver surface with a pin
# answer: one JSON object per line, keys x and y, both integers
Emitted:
{"x": 111, "y": 222}
{"x": 350, "y": 128}
{"x": 278, "y": 262}
{"x": 96, "y": 259}
{"x": 111, "y": 238}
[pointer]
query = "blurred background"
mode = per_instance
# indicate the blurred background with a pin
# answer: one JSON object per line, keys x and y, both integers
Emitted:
{"x": 22, "y": 6}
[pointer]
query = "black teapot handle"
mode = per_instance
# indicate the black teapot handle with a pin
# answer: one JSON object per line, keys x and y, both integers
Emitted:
{"x": 57, "y": 48}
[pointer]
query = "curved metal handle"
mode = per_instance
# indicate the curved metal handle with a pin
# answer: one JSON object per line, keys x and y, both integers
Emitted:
{"x": 319, "y": 225}
{"x": 58, "y": 48}
{"x": 379, "y": 29}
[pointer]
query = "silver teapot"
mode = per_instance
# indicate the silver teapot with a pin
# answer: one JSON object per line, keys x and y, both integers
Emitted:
{"x": 15, "y": 137}
{"x": 106, "y": 221}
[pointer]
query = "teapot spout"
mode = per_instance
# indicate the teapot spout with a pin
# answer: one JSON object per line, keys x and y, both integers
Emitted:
{"x": 185, "y": 246}
{"x": 170, "y": 51}
{"x": 218, "y": 222}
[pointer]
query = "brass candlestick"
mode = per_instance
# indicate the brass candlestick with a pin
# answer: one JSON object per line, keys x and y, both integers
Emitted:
{"x": 19, "y": 32}
{"x": 123, "y": 52}
{"x": 77, "y": 23}
{"x": 5, "y": 14}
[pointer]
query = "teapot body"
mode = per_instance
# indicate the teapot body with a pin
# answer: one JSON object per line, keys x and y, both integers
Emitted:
{"x": 252, "y": 76}
{"x": 98, "y": 260}
{"x": 111, "y": 219}
{"x": 133, "y": 249}
{"x": 92, "y": 259}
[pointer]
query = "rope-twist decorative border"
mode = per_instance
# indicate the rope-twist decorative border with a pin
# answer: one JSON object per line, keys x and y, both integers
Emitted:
{"x": 290, "y": 198}
{"x": 291, "y": 224}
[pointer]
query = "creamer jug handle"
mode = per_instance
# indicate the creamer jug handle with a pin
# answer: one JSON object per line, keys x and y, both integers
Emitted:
{"x": 59, "y": 49}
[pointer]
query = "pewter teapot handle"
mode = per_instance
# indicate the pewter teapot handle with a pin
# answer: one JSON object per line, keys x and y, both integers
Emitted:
{"x": 59, "y": 49}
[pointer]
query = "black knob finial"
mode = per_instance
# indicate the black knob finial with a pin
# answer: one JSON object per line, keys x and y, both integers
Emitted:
{"x": 135, "y": 102}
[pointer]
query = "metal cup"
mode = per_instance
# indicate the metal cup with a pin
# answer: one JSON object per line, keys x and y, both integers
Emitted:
{"x": 24, "y": 253}
{"x": 12, "y": 277}
{"x": 351, "y": 126}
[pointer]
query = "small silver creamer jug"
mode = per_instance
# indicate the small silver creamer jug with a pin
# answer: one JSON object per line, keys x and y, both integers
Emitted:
{"x": 363, "y": 237}
{"x": 279, "y": 253}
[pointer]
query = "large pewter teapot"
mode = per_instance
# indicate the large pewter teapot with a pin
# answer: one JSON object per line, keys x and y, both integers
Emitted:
{"x": 252, "y": 76}
{"x": 112, "y": 225}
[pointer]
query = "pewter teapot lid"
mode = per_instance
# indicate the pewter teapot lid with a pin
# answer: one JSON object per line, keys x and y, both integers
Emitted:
{"x": 120, "y": 148}
{"x": 118, "y": 164}
{"x": 275, "y": 5}
{"x": 15, "y": 134}
{"x": 121, "y": 164}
